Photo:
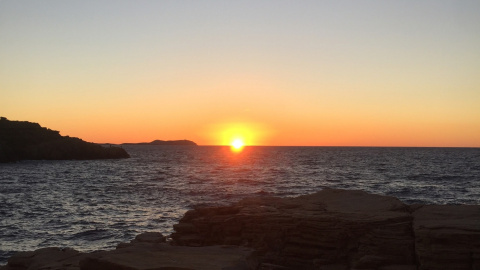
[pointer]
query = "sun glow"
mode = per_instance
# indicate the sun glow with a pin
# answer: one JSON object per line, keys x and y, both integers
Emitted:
{"x": 237, "y": 145}
{"x": 237, "y": 135}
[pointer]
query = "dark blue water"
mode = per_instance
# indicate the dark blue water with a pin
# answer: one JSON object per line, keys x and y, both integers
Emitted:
{"x": 96, "y": 204}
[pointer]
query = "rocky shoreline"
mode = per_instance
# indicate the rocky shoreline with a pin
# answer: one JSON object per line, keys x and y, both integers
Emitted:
{"x": 22, "y": 140}
{"x": 332, "y": 229}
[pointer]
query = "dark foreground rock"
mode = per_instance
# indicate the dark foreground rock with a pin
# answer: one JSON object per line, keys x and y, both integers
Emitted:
{"x": 329, "y": 230}
{"x": 147, "y": 252}
{"x": 145, "y": 256}
{"x": 45, "y": 258}
{"x": 21, "y": 140}
{"x": 341, "y": 229}
{"x": 332, "y": 228}
{"x": 448, "y": 236}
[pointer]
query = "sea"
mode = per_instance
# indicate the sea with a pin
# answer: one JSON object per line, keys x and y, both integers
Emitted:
{"x": 96, "y": 204}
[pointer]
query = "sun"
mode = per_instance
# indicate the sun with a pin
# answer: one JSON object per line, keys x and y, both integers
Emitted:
{"x": 237, "y": 135}
{"x": 237, "y": 145}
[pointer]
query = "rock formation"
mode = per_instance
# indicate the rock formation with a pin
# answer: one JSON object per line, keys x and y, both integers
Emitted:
{"x": 341, "y": 229}
{"x": 329, "y": 230}
{"x": 448, "y": 236}
{"x": 147, "y": 251}
{"x": 20, "y": 140}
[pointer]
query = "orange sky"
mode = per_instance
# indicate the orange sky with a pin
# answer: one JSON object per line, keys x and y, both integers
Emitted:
{"x": 275, "y": 73}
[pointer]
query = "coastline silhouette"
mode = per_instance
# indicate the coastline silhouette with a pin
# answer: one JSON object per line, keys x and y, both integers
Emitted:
{"x": 23, "y": 140}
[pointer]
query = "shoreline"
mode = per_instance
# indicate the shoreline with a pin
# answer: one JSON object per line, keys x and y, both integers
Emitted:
{"x": 330, "y": 229}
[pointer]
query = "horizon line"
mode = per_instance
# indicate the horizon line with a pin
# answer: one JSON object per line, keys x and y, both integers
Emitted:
{"x": 337, "y": 146}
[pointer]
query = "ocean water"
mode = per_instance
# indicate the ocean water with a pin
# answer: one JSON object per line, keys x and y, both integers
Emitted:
{"x": 90, "y": 205}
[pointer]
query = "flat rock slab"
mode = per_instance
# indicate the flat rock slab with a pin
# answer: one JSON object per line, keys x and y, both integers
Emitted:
{"x": 45, "y": 258}
{"x": 341, "y": 229}
{"x": 334, "y": 228}
{"x": 136, "y": 256}
{"x": 164, "y": 256}
{"x": 447, "y": 236}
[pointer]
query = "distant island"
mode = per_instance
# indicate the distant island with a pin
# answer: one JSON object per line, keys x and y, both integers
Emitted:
{"x": 160, "y": 142}
{"x": 22, "y": 140}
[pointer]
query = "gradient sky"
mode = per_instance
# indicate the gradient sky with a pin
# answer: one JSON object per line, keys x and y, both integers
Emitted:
{"x": 353, "y": 73}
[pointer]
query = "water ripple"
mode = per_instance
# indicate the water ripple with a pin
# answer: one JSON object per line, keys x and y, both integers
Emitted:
{"x": 96, "y": 204}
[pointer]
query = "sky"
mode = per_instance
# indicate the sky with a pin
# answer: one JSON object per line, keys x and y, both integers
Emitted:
{"x": 307, "y": 73}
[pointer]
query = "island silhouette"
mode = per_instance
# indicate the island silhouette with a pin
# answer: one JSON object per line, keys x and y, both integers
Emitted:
{"x": 22, "y": 140}
{"x": 160, "y": 142}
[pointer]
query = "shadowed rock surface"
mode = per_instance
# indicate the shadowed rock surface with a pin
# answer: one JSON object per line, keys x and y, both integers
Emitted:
{"x": 45, "y": 258}
{"x": 147, "y": 251}
{"x": 329, "y": 230}
{"x": 448, "y": 236}
{"x": 341, "y": 229}
{"x": 333, "y": 228}
{"x": 145, "y": 256}
{"x": 21, "y": 140}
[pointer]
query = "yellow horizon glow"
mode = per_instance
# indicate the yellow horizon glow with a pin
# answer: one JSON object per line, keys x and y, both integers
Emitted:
{"x": 237, "y": 145}
{"x": 231, "y": 133}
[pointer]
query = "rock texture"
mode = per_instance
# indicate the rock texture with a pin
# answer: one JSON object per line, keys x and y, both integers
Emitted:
{"x": 329, "y": 230}
{"x": 147, "y": 251}
{"x": 448, "y": 236}
{"x": 341, "y": 229}
{"x": 143, "y": 256}
{"x": 45, "y": 258}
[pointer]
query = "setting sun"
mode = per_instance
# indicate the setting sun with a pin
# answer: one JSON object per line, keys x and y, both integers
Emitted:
{"x": 237, "y": 145}
{"x": 238, "y": 134}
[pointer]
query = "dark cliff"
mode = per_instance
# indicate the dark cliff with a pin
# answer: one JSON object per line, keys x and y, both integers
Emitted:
{"x": 21, "y": 140}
